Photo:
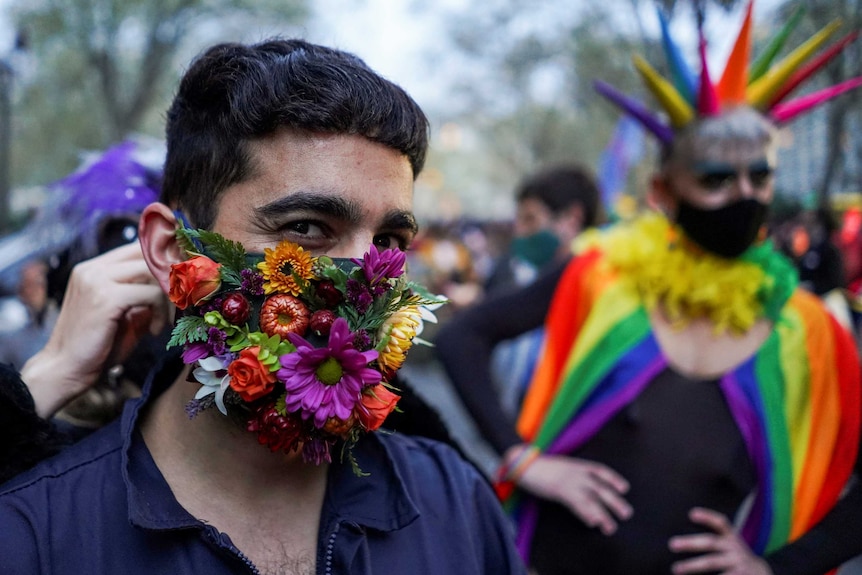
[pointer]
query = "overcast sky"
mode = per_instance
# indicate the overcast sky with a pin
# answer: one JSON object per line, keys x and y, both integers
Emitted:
{"x": 405, "y": 40}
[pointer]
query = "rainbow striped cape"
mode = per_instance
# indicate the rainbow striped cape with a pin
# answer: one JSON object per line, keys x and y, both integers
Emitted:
{"x": 796, "y": 401}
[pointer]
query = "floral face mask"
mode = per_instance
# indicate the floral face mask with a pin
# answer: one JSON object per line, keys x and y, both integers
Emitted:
{"x": 300, "y": 349}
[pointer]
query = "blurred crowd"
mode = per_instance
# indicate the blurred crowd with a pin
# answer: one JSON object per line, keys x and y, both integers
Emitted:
{"x": 462, "y": 259}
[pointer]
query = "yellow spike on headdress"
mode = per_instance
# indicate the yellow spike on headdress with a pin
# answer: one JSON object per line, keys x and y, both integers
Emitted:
{"x": 678, "y": 110}
{"x": 760, "y": 92}
{"x": 734, "y": 80}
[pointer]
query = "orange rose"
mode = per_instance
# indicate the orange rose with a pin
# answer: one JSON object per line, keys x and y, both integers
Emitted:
{"x": 376, "y": 404}
{"x": 248, "y": 377}
{"x": 193, "y": 281}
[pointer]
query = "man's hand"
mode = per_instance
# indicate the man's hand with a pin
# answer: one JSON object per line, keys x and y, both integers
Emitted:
{"x": 592, "y": 491}
{"x": 721, "y": 551}
{"x": 111, "y": 301}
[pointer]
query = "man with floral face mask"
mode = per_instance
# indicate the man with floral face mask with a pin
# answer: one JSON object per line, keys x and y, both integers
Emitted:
{"x": 285, "y": 209}
{"x": 693, "y": 410}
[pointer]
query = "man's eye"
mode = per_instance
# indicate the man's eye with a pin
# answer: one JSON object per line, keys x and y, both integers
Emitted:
{"x": 760, "y": 176}
{"x": 715, "y": 180}
{"x": 390, "y": 241}
{"x": 304, "y": 228}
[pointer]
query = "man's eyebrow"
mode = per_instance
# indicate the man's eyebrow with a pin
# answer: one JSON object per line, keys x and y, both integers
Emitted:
{"x": 333, "y": 206}
{"x": 401, "y": 220}
{"x": 713, "y": 167}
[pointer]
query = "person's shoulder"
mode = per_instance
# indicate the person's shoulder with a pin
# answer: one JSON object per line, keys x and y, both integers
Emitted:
{"x": 94, "y": 454}
{"x": 421, "y": 461}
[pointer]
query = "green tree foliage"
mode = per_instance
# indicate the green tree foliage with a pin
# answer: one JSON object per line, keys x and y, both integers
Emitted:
{"x": 100, "y": 70}
{"x": 572, "y": 45}
{"x": 844, "y": 114}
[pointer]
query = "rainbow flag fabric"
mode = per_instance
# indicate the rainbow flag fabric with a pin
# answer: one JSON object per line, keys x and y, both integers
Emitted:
{"x": 796, "y": 401}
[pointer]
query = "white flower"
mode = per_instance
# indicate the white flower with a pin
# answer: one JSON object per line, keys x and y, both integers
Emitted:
{"x": 211, "y": 382}
{"x": 426, "y": 313}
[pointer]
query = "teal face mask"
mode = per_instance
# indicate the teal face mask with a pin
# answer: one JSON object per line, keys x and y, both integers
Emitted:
{"x": 537, "y": 249}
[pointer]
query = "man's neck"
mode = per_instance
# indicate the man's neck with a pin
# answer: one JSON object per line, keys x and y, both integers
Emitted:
{"x": 212, "y": 454}
{"x": 268, "y": 503}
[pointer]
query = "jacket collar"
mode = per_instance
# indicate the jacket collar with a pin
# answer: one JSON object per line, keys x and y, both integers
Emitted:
{"x": 378, "y": 500}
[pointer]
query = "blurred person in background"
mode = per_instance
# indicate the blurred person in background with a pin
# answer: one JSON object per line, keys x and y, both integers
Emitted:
{"x": 441, "y": 260}
{"x": 807, "y": 237}
{"x": 552, "y": 207}
{"x": 108, "y": 317}
{"x": 18, "y": 345}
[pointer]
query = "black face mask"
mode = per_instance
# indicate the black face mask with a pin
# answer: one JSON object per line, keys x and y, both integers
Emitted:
{"x": 727, "y": 231}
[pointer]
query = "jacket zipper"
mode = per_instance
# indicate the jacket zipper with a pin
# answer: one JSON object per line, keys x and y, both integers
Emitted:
{"x": 330, "y": 548}
{"x": 248, "y": 563}
{"x": 216, "y": 541}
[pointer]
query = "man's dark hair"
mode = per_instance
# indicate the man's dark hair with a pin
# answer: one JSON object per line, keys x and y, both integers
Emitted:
{"x": 235, "y": 93}
{"x": 562, "y": 187}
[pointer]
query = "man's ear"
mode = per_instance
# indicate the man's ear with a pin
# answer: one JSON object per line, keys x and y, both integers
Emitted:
{"x": 157, "y": 233}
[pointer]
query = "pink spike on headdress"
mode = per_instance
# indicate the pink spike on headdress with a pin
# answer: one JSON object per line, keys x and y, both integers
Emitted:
{"x": 636, "y": 110}
{"x": 783, "y": 113}
{"x": 731, "y": 87}
{"x": 707, "y": 99}
{"x": 802, "y": 74}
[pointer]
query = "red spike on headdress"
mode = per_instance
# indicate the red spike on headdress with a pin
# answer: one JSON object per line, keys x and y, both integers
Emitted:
{"x": 707, "y": 98}
{"x": 731, "y": 87}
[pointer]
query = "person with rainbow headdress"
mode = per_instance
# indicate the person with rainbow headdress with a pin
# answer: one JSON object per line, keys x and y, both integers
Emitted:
{"x": 693, "y": 410}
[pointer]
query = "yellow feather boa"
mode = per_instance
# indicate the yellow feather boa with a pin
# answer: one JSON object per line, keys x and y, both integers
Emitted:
{"x": 663, "y": 267}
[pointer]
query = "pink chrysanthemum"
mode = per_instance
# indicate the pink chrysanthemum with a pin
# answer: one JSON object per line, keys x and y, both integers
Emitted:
{"x": 327, "y": 381}
{"x": 380, "y": 265}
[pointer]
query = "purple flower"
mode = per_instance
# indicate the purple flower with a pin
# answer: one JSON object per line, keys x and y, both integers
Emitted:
{"x": 213, "y": 304}
{"x": 252, "y": 282}
{"x": 216, "y": 341}
{"x": 195, "y": 351}
{"x": 316, "y": 450}
{"x": 359, "y": 296}
{"x": 361, "y": 340}
{"x": 195, "y": 406}
{"x": 380, "y": 265}
{"x": 327, "y": 381}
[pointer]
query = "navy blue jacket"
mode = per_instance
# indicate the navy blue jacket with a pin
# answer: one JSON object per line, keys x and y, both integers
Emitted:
{"x": 102, "y": 507}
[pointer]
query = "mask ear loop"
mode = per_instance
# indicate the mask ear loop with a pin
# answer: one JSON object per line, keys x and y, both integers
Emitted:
{"x": 184, "y": 225}
{"x": 182, "y": 219}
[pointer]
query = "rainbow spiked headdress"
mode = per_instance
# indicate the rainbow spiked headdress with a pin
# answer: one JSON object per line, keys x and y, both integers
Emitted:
{"x": 762, "y": 84}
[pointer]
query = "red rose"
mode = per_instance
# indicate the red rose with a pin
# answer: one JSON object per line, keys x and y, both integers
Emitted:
{"x": 248, "y": 377}
{"x": 193, "y": 281}
{"x": 376, "y": 404}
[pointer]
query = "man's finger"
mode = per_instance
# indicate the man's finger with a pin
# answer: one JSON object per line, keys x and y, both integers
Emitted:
{"x": 714, "y": 520}
{"x": 714, "y": 562}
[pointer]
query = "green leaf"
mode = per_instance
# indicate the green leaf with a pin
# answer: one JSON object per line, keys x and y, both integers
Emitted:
{"x": 185, "y": 241}
{"x": 188, "y": 329}
{"x": 228, "y": 253}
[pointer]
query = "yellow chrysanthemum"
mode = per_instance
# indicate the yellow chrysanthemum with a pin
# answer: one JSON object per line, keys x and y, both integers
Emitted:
{"x": 281, "y": 264}
{"x": 400, "y": 328}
